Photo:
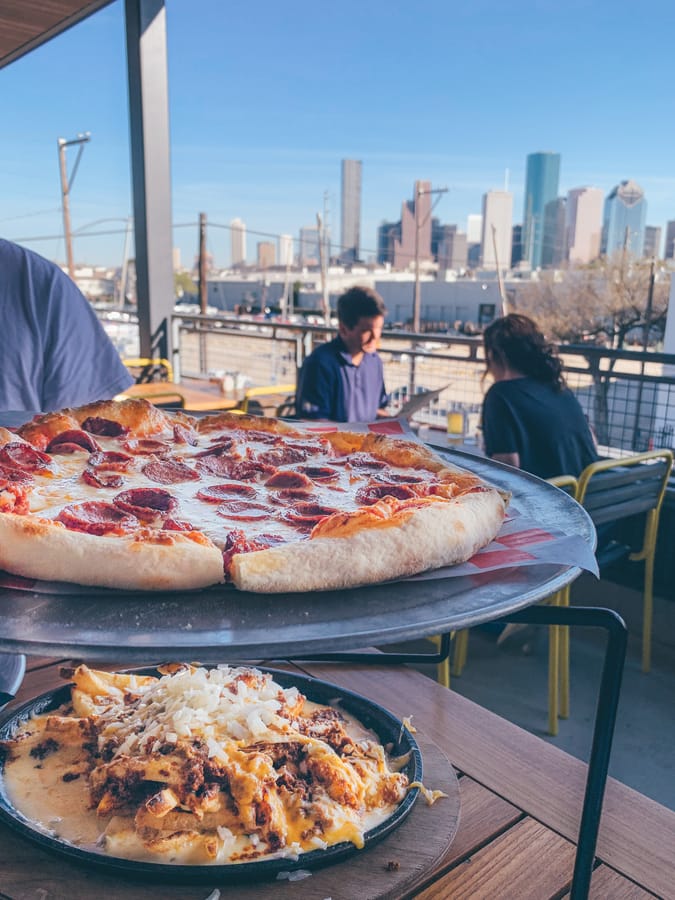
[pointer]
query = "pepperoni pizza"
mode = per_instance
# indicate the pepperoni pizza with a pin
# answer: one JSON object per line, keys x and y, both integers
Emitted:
{"x": 126, "y": 496}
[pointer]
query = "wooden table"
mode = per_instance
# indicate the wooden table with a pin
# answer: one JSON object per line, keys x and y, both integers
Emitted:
{"x": 202, "y": 397}
{"x": 521, "y": 802}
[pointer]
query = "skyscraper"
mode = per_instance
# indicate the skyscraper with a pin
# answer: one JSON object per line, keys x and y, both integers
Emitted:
{"x": 285, "y": 250}
{"x": 541, "y": 188}
{"x": 583, "y": 224}
{"x": 624, "y": 219}
{"x": 237, "y": 242}
{"x": 498, "y": 214}
{"x": 413, "y": 219}
{"x": 350, "y": 235}
{"x": 266, "y": 254}
{"x": 670, "y": 241}
{"x": 652, "y": 241}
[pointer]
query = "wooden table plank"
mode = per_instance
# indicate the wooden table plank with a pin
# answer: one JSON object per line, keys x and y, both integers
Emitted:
{"x": 637, "y": 835}
{"x": 484, "y": 815}
{"x": 606, "y": 883}
{"x": 529, "y": 860}
{"x": 200, "y": 399}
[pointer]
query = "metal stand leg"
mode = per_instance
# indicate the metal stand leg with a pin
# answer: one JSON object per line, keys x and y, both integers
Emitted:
{"x": 605, "y": 720}
{"x": 383, "y": 659}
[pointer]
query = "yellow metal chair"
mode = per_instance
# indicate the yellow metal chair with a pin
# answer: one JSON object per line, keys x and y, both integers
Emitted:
{"x": 558, "y": 643}
{"x": 254, "y": 403}
{"x": 559, "y": 638}
{"x": 615, "y": 489}
{"x": 164, "y": 399}
{"x": 146, "y": 369}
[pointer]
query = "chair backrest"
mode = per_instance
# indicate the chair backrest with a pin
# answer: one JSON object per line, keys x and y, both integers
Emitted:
{"x": 165, "y": 399}
{"x": 146, "y": 370}
{"x": 614, "y": 489}
{"x": 259, "y": 401}
{"x": 567, "y": 483}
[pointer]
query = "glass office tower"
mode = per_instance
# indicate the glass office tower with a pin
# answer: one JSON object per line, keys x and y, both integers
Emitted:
{"x": 624, "y": 219}
{"x": 541, "y": 189}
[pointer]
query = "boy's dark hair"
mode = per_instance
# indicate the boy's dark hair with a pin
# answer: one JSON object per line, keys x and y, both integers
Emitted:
{"x": 515, "y": 341}
{"x": 359, "y": 302}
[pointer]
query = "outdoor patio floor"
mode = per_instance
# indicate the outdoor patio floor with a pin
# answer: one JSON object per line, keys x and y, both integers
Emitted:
{"x": 511, "y": 680}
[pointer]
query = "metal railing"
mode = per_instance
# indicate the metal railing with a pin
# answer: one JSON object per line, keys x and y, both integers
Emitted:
{"x": 628, "y": 396}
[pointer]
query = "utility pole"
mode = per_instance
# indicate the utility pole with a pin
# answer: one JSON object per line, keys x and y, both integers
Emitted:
{"x": 203, "y": 291}
{"x": 203, "y": 288}
{"x": 66, "y": 184}
{"x": 322, "y": 267}
{"x": 125, "y": 264}
{"x": 418, "y": 226}
{"x": 500, "y": 280}
{"x": 646, "y": 328}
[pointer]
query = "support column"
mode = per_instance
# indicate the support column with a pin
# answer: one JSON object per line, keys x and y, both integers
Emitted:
{"x": 151, "y": 173}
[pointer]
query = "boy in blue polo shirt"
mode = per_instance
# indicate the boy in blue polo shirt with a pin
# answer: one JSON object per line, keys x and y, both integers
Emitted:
{"x": 343, "y": 380}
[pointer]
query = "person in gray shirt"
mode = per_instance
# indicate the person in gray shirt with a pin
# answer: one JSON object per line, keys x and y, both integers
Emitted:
{"x": 53, "y": 350}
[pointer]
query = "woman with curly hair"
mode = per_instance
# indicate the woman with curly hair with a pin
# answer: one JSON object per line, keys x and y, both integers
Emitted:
{"x": 531, "y": 419}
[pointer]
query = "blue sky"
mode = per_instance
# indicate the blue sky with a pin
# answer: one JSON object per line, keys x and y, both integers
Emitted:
{"x": 267, "y": 98}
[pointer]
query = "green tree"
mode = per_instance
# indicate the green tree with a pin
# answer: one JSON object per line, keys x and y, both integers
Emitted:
{"x": 183, "y": 284}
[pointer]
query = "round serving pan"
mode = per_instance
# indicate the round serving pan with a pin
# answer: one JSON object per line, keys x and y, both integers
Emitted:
{"x": 390, "y": 731}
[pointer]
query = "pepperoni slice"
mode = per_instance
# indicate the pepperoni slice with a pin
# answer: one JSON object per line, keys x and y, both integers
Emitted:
{"x": 176, "y": 525}
{"x": 71, "y": 441}
{"x": 371, "y": 493}
{"x": 263, "y": 437}
{"x": 365, "y": 461}
{"x": 220, "y": 441}
{"x": 100, "y": 480}
{"x": 216, "y": 493}
{"x": 292, "y": 494}
{"x": 237, "y": 542}
{"x": 104, "y": 427}
{"x": 15, "y": 476}
{"x": 23, "y": 456}
{"x": 111, "y": 460}
{"x": 245, "y": 511}
{"x": 306, "y": 515}
{"x": 281, "y": 456}
{"x": 395, "y": 478}
{"x": 169, "y": 471}
{"x": 218, "y": 450}
{"x": 145, "y": 503}
{"x": 146, "y": 446}
{"x": 97, "y": 517}
{"x": 319, "y": 473}
{"x": 237, "y": 469}
{"x": 287, "y": 478}
{"x": 185, "y": 434}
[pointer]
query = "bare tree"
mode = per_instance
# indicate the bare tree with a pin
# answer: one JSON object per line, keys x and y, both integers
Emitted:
{"x": 606, "y": 303}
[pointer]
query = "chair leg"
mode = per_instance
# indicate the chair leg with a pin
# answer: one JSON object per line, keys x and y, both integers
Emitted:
{"x": 443, "y": 673}
{"x": 553, "y": 674}
{"x": 647, "y": 613}
{"x": 564, "y": 660}
{"x": 461, "y": 650}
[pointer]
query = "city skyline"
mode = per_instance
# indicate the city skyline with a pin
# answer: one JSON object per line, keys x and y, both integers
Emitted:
{"x": 410, "y": 112}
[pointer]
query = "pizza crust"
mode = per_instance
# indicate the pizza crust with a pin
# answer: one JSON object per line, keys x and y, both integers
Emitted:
{"x": 38, "y": 548}
{"x": 435, "y": 535}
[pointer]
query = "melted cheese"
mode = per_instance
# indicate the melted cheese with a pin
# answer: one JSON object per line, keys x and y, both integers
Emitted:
{"x": 53, "y": 491}
{"x": 237, "y": 713}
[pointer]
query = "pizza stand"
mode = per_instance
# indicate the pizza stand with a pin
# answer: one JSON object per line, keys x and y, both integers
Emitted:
{"x": 224, "y": 625}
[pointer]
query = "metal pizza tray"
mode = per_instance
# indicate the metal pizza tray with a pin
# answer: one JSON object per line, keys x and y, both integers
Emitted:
{"x": 222, "y": 624}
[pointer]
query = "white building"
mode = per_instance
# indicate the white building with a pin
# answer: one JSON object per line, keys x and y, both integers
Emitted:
{"x": 474, "y": 229}
{"x": 237, "y": 242}
{"x": 583, "y": 224}
{"x": 285, "y": 250}
{"x": 497, "y": 231}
